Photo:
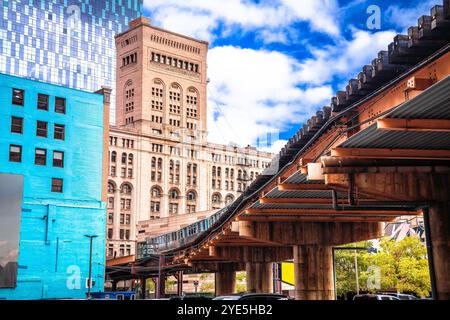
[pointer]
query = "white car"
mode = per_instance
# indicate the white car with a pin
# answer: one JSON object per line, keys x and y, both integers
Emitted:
{"x": 374, "y": 297}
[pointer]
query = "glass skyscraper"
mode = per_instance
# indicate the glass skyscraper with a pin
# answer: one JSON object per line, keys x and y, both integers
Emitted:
{"x": 64, "y": 42}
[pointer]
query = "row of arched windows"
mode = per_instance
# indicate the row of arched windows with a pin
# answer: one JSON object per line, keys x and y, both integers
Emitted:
{"x": 124, "y": 158}
{"x": 126, "y": 164}
{"x": 228, "y": 178}
{"x": 176, "y": 99}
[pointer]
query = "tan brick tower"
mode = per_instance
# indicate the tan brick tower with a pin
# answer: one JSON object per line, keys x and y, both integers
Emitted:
{"x": 161, "y": 81}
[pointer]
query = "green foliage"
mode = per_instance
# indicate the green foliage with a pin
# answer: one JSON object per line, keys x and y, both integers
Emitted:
{"x": 403, "y": 266}
{"x": 241, "y": 281}
{"x": 150, "y": 285}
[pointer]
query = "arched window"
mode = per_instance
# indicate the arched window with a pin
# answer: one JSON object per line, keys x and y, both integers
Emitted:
{"x": 157, "y": 102}
{"x": 191, "y": 204}
{"x": 175, "y": 105}
{"x": 130, "y": 159}
{"x": 191, "y": 196}
{"x": 113, "y": 157}
{"x": 111, "y": 187}
{"x": 229, "y": 199}
{"x": 125, "y": 197}
{"x": 126, "y": 189}
{"x": 153, "y": 162}
{"x": 156, "y": 192}
{"x": 155, "y": 203}
{"x": 173, "y": 194}
{"x": 216, "y": 199}
{"x": 124, "y": 158}
{"x": 160, "y": 163}
{"x": 128, "y": 96}
{"x": 192, "y": 102}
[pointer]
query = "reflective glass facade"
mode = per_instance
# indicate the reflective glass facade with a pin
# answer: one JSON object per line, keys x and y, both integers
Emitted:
{"x": 64, "y": 42}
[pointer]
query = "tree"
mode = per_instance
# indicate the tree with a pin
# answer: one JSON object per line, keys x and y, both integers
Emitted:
{"x": 207, "y": 284}
{"x": 241, "y": 281}
{"x": 402, "y": 265}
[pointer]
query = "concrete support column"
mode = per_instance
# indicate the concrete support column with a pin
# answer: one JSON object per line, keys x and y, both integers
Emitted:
{"x": 179, "y": 277}
{"x": 439, "y": 219}
{"x": 114, "y": 286}
{"x": 161, "y": 282}
{"x": 143, "y": 282}
{"x": 259, "y": 277}
{"x": 313, "y": 269}
{"x": 225, "y": 280}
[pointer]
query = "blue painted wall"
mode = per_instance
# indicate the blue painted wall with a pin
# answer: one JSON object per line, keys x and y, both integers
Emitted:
{"x": 53, "y": 249}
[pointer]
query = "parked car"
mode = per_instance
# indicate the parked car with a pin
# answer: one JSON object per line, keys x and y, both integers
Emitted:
{"x": 254, "y": 296}
{"x": 191, "y": 297}
{"x": 374, "y": 297}
{"x": 401, "y": 296}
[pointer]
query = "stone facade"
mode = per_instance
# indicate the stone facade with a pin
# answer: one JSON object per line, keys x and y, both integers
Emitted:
{"x": 161, "y": 164}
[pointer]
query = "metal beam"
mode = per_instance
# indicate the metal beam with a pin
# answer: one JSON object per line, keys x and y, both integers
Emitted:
{"x": 312, "y": 212}
{"x": 391, "y": 153}
{"x": 303, "y": 187}
{"x": 427, "y": 125}
{"x": 294, "y": 218}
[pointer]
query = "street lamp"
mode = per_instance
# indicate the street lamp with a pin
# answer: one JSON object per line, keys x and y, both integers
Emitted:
{"x": 91, "y": 237}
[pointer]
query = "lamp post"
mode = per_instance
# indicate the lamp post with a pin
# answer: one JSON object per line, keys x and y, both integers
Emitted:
{"x": 91, "y": 238}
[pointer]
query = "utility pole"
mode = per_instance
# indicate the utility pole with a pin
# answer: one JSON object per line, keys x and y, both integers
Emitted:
{"x": 91, "y": 238}
{"x": 356, "y": 271}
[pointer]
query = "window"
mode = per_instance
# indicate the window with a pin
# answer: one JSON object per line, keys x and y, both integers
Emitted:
{"x": 43, "y": 100}
{"x": 60, "y": 105}
{"x": 191, "y": 196}
{"x": 126, "y": 189}
{"x": 16, "y": 125}
{"x": 110, "y": 233}
{"x": 173, "y": 208}
{"x": 59, "y": 132}
{"x": 155, "y": 206}
{"x": 15, "y": 153}
{"x": 41, "y": 129}
{"x": 113, "y": 157}
{"x": 156, "y": 192}
{"x": 18, "y": 97}
{"x": 58, "y": 159}
{"x": 57, "y": 185}
{"x": 173, "y": 194}
{"x": 110, "y": 203}
{"x": 40, "y": 157}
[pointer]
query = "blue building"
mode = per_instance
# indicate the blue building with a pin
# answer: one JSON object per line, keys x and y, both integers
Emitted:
{"x": 64, "y": 42}
{"x": 54, "y": 137}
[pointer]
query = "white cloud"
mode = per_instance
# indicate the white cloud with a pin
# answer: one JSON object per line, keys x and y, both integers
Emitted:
{"x": 344, "y": 59}
{"x": 256, "y": 92}
{"x": 405, "y": 17}
{"x": 200, "y": 18}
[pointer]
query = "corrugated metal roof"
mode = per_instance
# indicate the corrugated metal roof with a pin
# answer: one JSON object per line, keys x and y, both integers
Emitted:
{"x": 291, "y": 206}
{"x": 306, "y": 206}
{"x": 433, "y": 103}
{"x": 373, "y": 138}
{"x": 299, "y": 178}
{"x": 303, "y": 194}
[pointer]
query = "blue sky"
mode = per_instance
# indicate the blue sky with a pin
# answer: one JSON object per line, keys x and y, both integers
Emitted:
{"x": 273, "y": 64}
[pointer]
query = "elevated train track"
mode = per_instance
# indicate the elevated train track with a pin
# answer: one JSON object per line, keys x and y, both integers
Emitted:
{"x": 381, "y": 150}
